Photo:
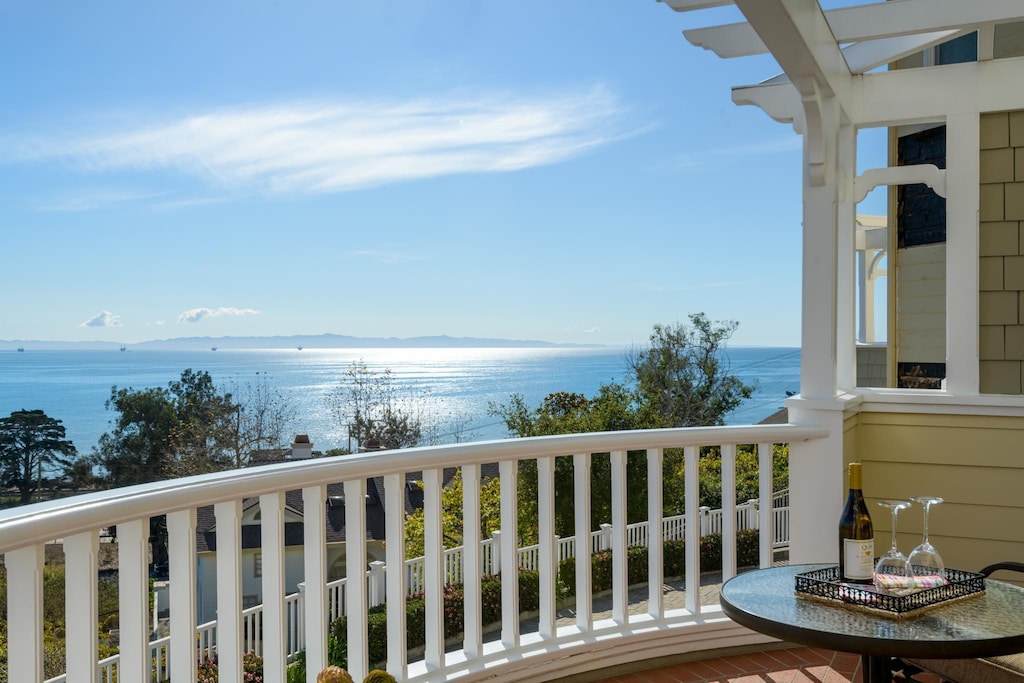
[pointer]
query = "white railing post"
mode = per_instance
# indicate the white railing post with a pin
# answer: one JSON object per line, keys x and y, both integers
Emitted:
{"x": 376, "y": 578}
{"x": 472, "y": 642}
{"x": 496, "y": 552}
{"x": 655, "y": 535}
{"x": 25, "y": 599}
{"x": 766, "y": 516}
{"x": 355, "y": 575}
{"x": 705, "y": 520}
{"x": 229, "y": 590}
{"x": 133, "y": 600}
{"x": 581, "y": 500}
{"x": 433, "y": 570}
{"x": 606, "y": 536}
{"x": 314, "y": 537}
{"x": 547, "y": 562}
{"x": 694, "y": 532}
{"x": 275, "y": 650}
{"x": 508, "y": 471}
{"x": 394, "y": 531}
{"x": 620, "y": 560}
{"x": 81, "y": 552}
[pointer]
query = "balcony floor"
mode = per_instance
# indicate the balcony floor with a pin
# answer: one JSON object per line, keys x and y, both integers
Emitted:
{"x": 788, "y": 665}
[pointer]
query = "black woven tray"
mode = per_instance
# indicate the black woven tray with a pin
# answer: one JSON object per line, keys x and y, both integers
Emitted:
{"x": 824, "y": 584}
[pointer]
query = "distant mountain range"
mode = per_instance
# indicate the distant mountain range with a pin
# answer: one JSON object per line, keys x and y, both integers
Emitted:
{"x": 304, "y": 341}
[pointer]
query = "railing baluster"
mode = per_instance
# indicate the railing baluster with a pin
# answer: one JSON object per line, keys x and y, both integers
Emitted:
{"x": 133, "y": 598}
{"x": 472, "y": 642}
{"x": 355, "y": 571}
{"x": 655, "y": 536}
{"x": 394, "y": 533}
{"x": 275, "y": 650}
{"x": 229, "y": 589}
{"x": 585, "y": 543}
{"x": 81, "y": 552}
{"x": 508, "y": 471}
{"x": 766, "y": 516}
{"x": 728, "y": 511}
{"x": 694, "y": 522}
{"x": 546, "y": 560}
{"x": 25, "y": 599}
{"x": 181, "y": 545}
{"x": 315, "y": 600}
{"x": 620, "y": 571}
{"x": 433, "y": 582}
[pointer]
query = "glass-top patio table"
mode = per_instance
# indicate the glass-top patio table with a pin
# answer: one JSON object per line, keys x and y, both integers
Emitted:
{"x": 984, "y": 625}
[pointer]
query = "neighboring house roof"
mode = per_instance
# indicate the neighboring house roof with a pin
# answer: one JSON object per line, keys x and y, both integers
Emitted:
{"x": 206, "y": 522}
{"x": 779, "y": 417}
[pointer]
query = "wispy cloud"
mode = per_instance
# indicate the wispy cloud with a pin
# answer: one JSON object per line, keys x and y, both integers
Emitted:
{"x": 335, "y": 146}
{"x": 91, "y": 199}
{"x": 194, "y": 315}
{"x": 103, "y": 319}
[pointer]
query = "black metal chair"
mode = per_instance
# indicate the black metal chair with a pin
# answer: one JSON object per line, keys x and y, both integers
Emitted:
{"x": 1005, "y": 669}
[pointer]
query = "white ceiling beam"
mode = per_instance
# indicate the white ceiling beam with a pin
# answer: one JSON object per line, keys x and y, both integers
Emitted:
{"x": 869, "y": 22}
{"x": 881, "y": 98}
{"x": 689, "y": 5}
{"x": 802, "y": 43}
{"x": 871, "y": 54}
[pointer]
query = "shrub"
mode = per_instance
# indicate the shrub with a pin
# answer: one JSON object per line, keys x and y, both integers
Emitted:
{"x": 673, "y": 561}
{"x": 252, "y": 669}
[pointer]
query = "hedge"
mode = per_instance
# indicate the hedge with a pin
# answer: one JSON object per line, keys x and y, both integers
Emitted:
{"x": 674, "y": 561}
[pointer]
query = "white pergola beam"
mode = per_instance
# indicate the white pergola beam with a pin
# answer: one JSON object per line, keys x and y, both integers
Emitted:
{"x": 871, "y": 54}
{"x": 802, "y": 43}
{"x": 880, "y": 98}
{"x": 869, "y": 22}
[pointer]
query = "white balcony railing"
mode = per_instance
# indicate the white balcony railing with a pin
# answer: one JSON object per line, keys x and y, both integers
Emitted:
{"x": 281, "y": 619}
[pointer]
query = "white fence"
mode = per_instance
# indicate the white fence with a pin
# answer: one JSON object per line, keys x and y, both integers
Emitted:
{"x": 637, "y": 534}
{"x": 283, "y": 623}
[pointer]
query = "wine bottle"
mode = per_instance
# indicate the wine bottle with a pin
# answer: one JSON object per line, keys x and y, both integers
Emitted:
{"x": 856, "y": 534}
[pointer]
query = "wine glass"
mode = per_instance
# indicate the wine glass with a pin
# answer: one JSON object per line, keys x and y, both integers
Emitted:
{"x": 925, "y": 562}
{"x": 892, "y": 573}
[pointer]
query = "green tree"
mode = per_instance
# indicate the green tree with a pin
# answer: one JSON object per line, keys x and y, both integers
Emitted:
{"x": 164, "y": 433}
{"x": 31, "y": 443}
{"x": 451, "y": 516}
{"x": 680, "y": 380}
{"x": 683, "y": 378}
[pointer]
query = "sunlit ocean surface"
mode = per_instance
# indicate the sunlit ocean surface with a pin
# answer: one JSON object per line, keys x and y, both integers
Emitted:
{"x": 73, "y": 386}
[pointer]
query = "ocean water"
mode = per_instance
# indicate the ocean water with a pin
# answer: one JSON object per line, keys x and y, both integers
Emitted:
{"x": 73, "y": 386}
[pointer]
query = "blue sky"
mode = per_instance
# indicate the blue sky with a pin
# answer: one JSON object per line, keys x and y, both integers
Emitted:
{"x": 567, "y": 171}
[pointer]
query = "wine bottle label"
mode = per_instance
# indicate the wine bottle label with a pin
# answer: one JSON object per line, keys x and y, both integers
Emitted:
{"x": 858, "y": 558}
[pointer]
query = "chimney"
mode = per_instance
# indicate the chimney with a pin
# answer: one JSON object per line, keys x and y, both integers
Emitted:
{"x": 302, "y": 448}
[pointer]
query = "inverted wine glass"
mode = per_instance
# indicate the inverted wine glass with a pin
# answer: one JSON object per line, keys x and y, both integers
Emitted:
{"x": 925, "y": 562}
{"x": 892, "y": 572}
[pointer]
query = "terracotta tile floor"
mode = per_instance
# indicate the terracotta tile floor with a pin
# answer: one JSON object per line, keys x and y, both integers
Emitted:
{"x": 792, "y": 665}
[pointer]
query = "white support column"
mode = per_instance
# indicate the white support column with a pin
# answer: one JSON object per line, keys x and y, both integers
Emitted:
{"x": 728, "y": 511}
{"x": 181, "y": 544}
{"x": 356, "y": 602}
{"x": 815, "y": 484}
{"x": 962, "y": 265}
{"x": 472, "y": 642}
{"x": 25, "y": 599}
{"x": 546, "y": 555}
{"x": 581, "y": 503}
{"x": 620, "y": 569}
{"x": 691, "y": 483}
{"x": 655, "y": 533}
{"x": 275, "y": 654}
{"x": 433, "y": 569}
{"x": 81, "y": 552}
{"x": 314, "y": 536}
{"x": 766, "y": 498}
{"x": 394, "y": 532}
{"x": 229, "y": 589}
{"x": 508, "y": 471}
{"x": 133, "y": 599}
{"x": 818, "y": 371}
{"x": 846, "y": 246}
